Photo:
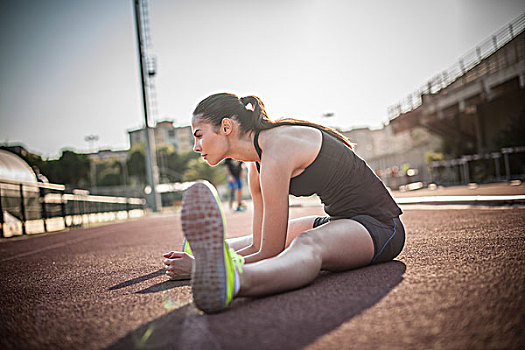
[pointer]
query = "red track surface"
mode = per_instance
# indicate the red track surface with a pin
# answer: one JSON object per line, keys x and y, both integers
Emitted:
{"x": 458, "y": 284}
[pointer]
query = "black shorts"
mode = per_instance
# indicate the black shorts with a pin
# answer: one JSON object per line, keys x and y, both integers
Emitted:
{"x": 388, "y": 237}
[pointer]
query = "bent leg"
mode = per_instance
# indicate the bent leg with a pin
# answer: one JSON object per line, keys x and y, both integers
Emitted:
{"x": 295, "y": 227}
{"x": 336, "y": 246}
{"x": 239, "y": 243}
{"x": 298, "y": 226}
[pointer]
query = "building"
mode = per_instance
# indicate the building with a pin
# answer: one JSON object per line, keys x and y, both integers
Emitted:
{"x": 106, "y": 154}
{"x": 477, "y": 107}
{"x": 165, "y": 134}
{"x": 471, "y": 110}
{"x": 397, "y": 158}
{"x": 184, "y": 138}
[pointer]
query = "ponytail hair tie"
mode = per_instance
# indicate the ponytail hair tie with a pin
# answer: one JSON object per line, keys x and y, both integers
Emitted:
{"x": 249, "y": 100}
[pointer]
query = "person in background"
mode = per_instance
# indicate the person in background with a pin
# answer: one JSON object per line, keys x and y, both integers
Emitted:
{"x": 39, "y": 176}
{"x": 234, "y": 169}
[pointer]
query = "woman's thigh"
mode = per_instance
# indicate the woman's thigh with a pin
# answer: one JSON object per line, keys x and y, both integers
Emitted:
{"x": 388, "y": 237}
{"x": 344, "y": 244}
{"x": 298, "y": 226}
{"x": 295, "y": 227}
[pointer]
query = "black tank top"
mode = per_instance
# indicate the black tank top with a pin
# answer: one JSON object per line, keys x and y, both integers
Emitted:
{"x": 343, "y": 181}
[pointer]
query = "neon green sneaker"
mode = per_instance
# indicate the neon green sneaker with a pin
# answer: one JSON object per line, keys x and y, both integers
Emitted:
{"x": 216, "y": 267}
{"x": 186, "y": 247}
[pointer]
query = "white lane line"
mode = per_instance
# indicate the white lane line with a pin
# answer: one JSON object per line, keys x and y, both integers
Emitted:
{"x": 456, "y": 199}
{"x": 449, "y": 206}
{"x": 53, "y": 246}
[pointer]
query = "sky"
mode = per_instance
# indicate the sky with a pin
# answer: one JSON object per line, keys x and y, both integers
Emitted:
{"x": 69, "y": 68}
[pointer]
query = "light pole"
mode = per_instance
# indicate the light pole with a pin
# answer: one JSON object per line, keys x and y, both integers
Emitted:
{"x": 91, "y": 139}
{"x": 329, "y": 115}
{"x": 151, "y": 164}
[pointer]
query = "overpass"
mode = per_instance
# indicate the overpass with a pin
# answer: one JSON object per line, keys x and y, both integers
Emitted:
{"x": 469, "y": 104}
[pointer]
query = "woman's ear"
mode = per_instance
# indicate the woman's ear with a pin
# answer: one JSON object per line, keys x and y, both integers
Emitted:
{"x": 226, "y": 126}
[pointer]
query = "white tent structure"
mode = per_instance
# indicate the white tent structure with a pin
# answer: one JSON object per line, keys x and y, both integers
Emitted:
{"x": 14, "y": 168}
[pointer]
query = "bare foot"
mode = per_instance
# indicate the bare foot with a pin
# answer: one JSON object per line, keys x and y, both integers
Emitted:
{"x": 178, "y": 265}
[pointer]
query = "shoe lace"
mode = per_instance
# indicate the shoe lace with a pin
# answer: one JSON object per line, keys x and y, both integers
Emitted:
{"x": 237, "y": 259}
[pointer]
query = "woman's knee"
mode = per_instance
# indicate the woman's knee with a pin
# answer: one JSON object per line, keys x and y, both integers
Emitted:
{"x": 298, "y": 226}
{"x": 309, "y": 242}
{"x": 306, "y": 251}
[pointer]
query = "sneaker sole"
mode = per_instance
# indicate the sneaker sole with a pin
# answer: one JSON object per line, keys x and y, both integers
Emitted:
{"x": 203, "y": 226}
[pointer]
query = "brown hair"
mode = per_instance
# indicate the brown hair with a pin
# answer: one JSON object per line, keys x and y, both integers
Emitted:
{"x": 216, "y": 107}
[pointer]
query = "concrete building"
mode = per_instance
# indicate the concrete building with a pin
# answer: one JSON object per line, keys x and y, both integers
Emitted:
{"x": 391, "y": 154}
{"x": 107, "y": 154}
{"x": 470, "y": 105}
{"x": 479, "y": 103}
{"x": 184, "y": 138}
{"x": 165, "y": 134}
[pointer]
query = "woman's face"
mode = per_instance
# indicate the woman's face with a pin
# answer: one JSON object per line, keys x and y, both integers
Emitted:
{"x": 210, "y": 144}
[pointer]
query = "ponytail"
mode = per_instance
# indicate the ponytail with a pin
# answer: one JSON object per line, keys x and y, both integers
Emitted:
{"x": 256, "y": 114}
{"x": 250, "y": 113}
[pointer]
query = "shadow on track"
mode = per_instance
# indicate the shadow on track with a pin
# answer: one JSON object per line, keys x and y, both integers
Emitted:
{"x": 138, "y": 279}
{"x": 164, "y": 286}
{"x": 159, "y": 287}
{"x": 288, "y": 320}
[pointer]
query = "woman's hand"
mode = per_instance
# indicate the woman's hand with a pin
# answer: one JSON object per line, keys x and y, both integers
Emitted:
{"x": 178, "y": 265}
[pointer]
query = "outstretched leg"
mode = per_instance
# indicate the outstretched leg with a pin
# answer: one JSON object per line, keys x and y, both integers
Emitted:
{"x": 295, "y": 227}
{"x": 178, "y": 265}
{"x": 335, "y": 246}
{"x": 218, "y": 274}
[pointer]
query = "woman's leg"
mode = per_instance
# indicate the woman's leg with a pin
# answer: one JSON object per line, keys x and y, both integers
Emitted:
{"x": 295, "y": 227}
{"x": 217, "y": 275}
{"x": 336, "y": 246}
{"x": 178, "y": 266}
{"x": 298, "y": 226}
{"x": 239, "y": 243}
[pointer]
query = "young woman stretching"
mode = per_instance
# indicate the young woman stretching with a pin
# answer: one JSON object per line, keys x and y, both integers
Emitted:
{"x": 288, "y": 156}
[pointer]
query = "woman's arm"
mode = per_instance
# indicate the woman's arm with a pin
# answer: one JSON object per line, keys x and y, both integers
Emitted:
{"x": 286, "y": 150}
{"x": 255, "y": 190}
{"x": 274, "y": 188}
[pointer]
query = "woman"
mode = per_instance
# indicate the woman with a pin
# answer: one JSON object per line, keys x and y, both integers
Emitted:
{"x": 288, "y": 157}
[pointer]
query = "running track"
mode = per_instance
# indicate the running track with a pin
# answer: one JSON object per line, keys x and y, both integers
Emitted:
{"x": 459, "y": 284}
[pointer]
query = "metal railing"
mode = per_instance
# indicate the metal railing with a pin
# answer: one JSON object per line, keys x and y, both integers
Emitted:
{"x": 42, "y": 205}
{"x": 480, "y": 56}
{"x": 504, "y": 165}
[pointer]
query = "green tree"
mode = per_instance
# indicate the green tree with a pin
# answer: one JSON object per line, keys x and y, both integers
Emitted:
{"x": 180, "y": 162}
{"x": 198, "y": 169}
{"x": 173, "y": 165}
{"x": 109, "y": 173}
{"x": 166, "y": 161}
{"x": 71, "y": 169}
{"x": 34, "y": 160}
{"x": 136, "y": 163}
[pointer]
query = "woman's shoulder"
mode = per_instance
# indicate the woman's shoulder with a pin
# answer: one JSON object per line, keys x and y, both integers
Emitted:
{"x": 291, "y": 134}
{"x": 296, "y": 143}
